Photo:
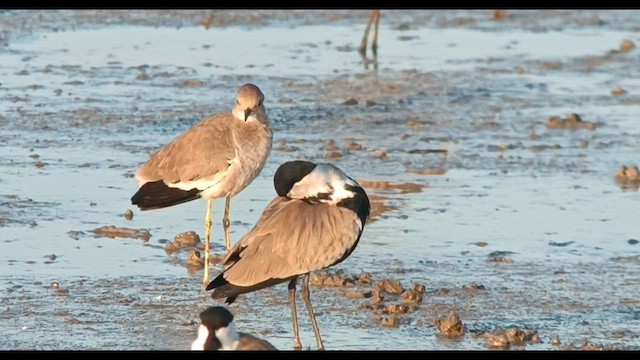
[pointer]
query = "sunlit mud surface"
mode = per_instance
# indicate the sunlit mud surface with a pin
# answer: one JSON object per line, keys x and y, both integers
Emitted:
{"x": 500, "y": 219}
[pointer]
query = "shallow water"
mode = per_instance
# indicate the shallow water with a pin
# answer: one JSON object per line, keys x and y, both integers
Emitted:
{"x": 75, "y": 100}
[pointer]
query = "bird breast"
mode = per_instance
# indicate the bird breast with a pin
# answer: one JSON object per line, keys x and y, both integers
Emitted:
{"x": 253, "y": 141}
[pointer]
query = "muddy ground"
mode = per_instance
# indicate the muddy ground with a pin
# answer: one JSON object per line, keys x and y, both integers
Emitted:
{"x": 498, "y": 221}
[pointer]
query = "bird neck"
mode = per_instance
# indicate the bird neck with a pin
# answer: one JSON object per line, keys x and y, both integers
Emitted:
{"x": 228, "y": 337}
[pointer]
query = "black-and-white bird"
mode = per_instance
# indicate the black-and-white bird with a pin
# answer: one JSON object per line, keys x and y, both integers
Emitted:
{"x": 315, "y": 222}
{"x": 218, "y": 332}
{"x": 216, "y": 158}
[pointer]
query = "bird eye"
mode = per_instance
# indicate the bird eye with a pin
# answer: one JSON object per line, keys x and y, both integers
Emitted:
{"x": 238, "y": 102}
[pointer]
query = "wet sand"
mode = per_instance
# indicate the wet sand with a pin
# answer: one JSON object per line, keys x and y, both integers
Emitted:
{"x": 498, "y": 221}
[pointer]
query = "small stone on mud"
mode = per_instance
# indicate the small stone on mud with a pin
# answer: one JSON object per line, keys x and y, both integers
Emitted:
{"x": 500, "y": 260}
{"x": 617, "y": 91}
{"x": 39, "y": 164}
{"x": 516, "y": 336}
{"x": 114, "y": 232}
{"x": 627, "y": 45}
{"x": 194, "y": 259}
{"x": 128, "y": 215}
{"x": 55, "y": 285}
{"x": 191, "y": 83}
{"x": 62, "y": 292}
{"x": 355, "y": 294}
{"x": 390, "y": 321}
{"x": 142, "y": 76}
{"x": 380, "y": 154}
{"x": 365, "y": 278}
{"x": 412, "y": 297}
{"x": 354, "y": 145}
{"x": 390, "y": 286}
{"x": 397, "y": 309}
{"x": 73, "y": 321}
{"x": 419, "y": 288}
{"x": 450, "y": 325}
{"x": 351, "y": 101}
{"x": 51, "y": 256}
{"x": 499, "y": 15}
{"x": 573, "y": 121}
{"x": 326, "y": 279}
{"x": 334, "y": 154}
{"x": 632, "y": 241}
{"x": 627, "y": 174}
{"x": 376, "y": 297}
{"x": 496, "y": 341}
{"x": 481, "y": 244}
{"x": 473, "y": 286}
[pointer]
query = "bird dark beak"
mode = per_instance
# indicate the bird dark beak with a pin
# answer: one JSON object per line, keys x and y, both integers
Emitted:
{"x": 247, "y": 112}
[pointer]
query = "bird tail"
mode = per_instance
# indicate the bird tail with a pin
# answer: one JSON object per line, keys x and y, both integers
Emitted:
{"x": 222, "y": 288}
{"x": 156, "y": 195}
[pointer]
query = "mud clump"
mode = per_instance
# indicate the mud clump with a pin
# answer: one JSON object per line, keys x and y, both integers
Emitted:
{"x": 473, "y": 287}
{"x": 617, "y": 91}
{"x": 397, "y": 309}
{"x": 187, "y": 239}
{"x": 195, "y": 262}
{"x": 356, "y": 294}
{"x": 393, "y": 287}
{"x": 389, "y": 321}
{"x": 504, "y": 339}
{"x": 628, "y": 177}
{"x": 327, "y": 279}
{"x": 411, "y": 297}
{"x": 450, "y": 325}
{"x": 128, "y": 215}
{"x": 572, "y": 122}
{"x": 496, "y": 341}
{"x": 627, "y": 45}
{"x": 121, "y": 232}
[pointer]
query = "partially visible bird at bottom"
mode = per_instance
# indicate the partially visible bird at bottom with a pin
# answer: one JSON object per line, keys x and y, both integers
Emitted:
{"x": 315, "y": 222}
{"x": 218, "y": 332}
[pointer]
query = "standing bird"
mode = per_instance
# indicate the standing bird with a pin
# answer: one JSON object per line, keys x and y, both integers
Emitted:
{"x": 315, "y": 222}
{"x": 218, "y": 157}
{"x": 218, "y": 332}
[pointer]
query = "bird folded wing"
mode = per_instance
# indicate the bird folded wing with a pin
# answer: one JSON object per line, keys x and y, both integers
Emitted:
{"x": 295, "y": 239}
{"x": 199, "y": 153}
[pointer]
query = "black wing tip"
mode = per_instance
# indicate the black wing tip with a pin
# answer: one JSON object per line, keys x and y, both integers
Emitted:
{"x": 157, "y": 195}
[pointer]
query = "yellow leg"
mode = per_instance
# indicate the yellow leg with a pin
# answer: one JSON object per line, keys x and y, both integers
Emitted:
{"x": 207, "y": 241}
{"x": 226, "y": 223}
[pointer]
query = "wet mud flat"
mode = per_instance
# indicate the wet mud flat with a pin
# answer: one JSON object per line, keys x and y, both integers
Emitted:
{"x": 501, "y": 176}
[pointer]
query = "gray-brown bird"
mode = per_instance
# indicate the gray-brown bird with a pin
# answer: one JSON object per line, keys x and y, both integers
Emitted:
{"x": 218, "y": 157}
{"x": 218, "y": 332}
{"x": 315, "y": 222}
